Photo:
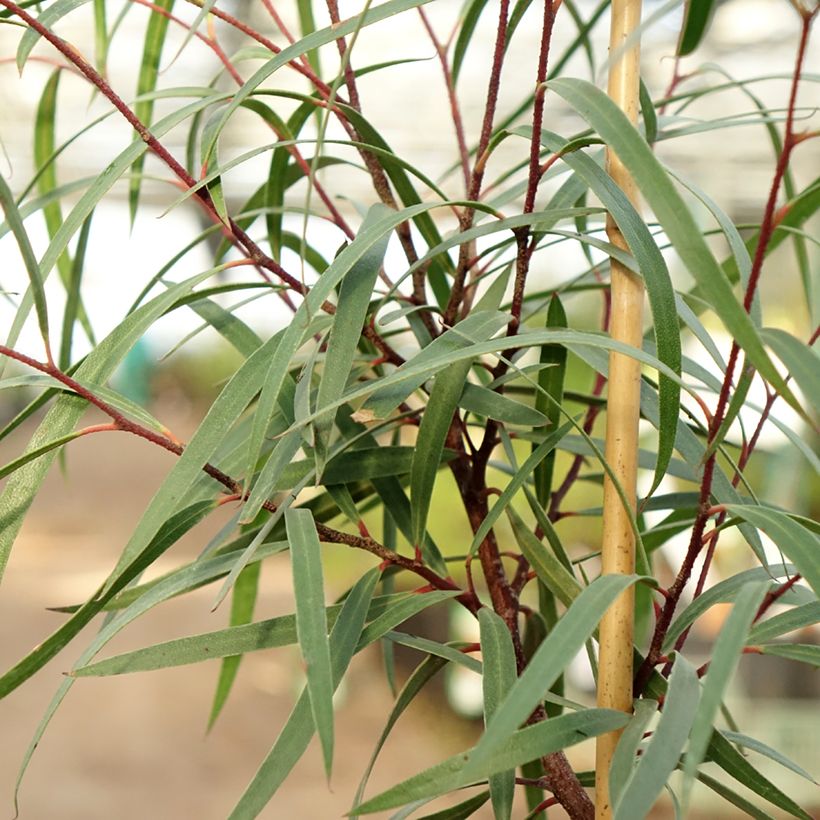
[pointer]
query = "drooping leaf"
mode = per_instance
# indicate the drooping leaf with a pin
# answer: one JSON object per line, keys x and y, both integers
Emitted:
{"x": 527, "y": 744}
{"x": 663, "y": 752}
{"x": 670, "y": 209}
{"x": 498, "y": 661}
{"x": 725, "y": 657}
{"x": 311, "y": 623}
{"x": 551, "y": 658}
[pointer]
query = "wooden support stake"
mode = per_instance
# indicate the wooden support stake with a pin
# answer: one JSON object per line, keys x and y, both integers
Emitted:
{"x": 623, "y": 406}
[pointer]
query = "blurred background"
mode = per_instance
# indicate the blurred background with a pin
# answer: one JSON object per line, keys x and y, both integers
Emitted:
{"x": 136, "y": 746}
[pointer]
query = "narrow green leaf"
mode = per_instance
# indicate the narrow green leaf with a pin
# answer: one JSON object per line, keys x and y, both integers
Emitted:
{"x": 351, "y": 309}
{"x": 801, "y": 545}
{"x": 671, "y": 211}
{"x": 551, "y": 658}
{"x": 296, "y": 734}
{"x": 695, "y": 22}
{"x": 442, "y": 650}
{"x": 35, "y": 275}
{"x": 436, "y": 421}
{"x": 725, "y": 657}
{"x": 735, "y": 764}
{"x": 19, "y": 491}
{"x": 550, "y": 570}
{"x": 223, "y": 643}
{"x": 418, "y": 679}
{"x": 155, "y": 34}
{"x": 767, "y": 751}
{"x": 801, "y": 361}
{"x": 520, "y": 478}
{"x": 803, "y": 652}
{"x": 551, "y": 381}
{"x": 653, "y": 269}
{"x": 625, "y": 757}
{"x": 661, "y": 756}
{"x": 242, "y": 606}
{"x": 520, "y": 747}
{"x": 462, "y": 811}
{"x": 469, "y": 20}
{"x": 73, "y": 306}
{"x": 54, "y": 13}
{"x": 34, "y": 453}
{"x": 311, "y": 623}
{"x": 797, "y": 618}
{"x": 498, "y": 661}
{"x": 721, "y": 593}
{"x": 484, "y": 402}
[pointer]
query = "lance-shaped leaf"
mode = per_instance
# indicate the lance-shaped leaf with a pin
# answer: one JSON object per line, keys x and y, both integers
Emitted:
{"x": 550, "y": 659}
{"x": 725, "y": 657}
{"x": 797, "y": 618}
{"x": 20, "y": 490}
{"x": 652, "y": 267}
{"x": 675, "y": 218}
{"x": 35, "y": 276}
{"x": 661, "y": 757}
{"x": 800, "y": 544}
{"x": 527, "y": 744}
{"x": 625, "y": 756}
{"x": 548, "y": 567}
{"x": 436, "y": 421}
{"x": 498, "y": 661}
{"x": 155, "y": 34}
{"x": 802, "y": 652}
{"x": 242, "y": 606}
{"x": 296, "y": 734}
{"x": 551, "y": 382}
{"x": 695, "y": 22}
{"x": 351, "y": 309}
{"x": 311, "y": 623}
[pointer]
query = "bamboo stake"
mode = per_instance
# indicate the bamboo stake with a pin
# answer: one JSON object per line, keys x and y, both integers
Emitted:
{"x": 623, "y": 405}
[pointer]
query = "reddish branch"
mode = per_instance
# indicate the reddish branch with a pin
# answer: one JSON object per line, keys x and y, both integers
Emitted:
{"x": 696, "y": 541}
{"x": 235, "y": 493}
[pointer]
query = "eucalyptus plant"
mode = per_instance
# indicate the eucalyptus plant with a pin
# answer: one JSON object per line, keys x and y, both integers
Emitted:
{"x": 420, "y": 340}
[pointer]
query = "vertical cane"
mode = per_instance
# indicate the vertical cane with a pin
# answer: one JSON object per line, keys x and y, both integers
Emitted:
{"x": 623, "y": 406}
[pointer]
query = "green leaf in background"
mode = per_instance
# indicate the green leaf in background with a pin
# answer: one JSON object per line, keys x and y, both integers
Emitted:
{"x": 725, "y": 657}
{"x": 661, "y": 756}
{"x": 696, "y": 20}
{"x": 498, "y": 661}
{"x": 35, "y": 275}
{"x": 311, "y": 623}
{"x": 155, "y": 34}
{"x": 242, "y": 606}
{"x": 551, "y": 381}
